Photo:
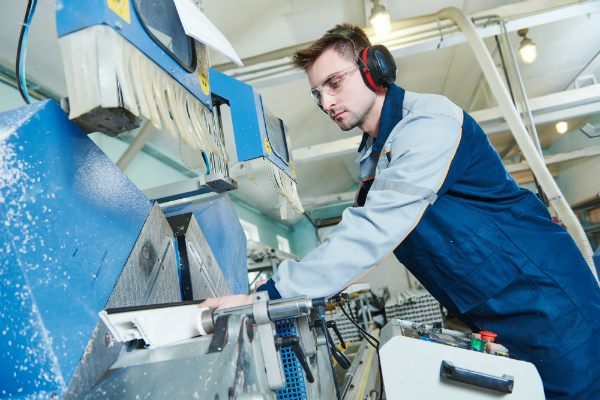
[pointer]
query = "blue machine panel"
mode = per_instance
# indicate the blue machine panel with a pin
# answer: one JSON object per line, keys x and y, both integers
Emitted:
{"x": 249, "y": 122}
{"x": 68, "y": 221}
{"x": 72, "y": 15}
{"x": 221, "y": 227}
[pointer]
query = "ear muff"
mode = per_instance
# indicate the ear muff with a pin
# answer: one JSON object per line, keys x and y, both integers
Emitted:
{"x": 377, "y": 67}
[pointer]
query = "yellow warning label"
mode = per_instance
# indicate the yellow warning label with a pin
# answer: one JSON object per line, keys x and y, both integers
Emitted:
{"x": 121, "y": 8}
{"x": 268, "y": 146}
{"x": 204, "y": 82}
{"x": 293, "y": 168}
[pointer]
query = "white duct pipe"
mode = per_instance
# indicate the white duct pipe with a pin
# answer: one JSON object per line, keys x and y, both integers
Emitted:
{"x": 515, "y": 124}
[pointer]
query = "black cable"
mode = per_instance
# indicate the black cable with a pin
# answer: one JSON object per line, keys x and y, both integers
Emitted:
{"x": 329, "y": 350}
{"x": 504, "y": 68}
{"x": 380, "y": 373}
{"x": 360, "y": 328}
{"x": 20, "y": 43}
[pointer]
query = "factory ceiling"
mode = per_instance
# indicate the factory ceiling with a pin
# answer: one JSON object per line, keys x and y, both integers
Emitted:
{"x": 567, "y": 40}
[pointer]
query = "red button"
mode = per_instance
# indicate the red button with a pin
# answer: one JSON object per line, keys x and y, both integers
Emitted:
{"x": 487, "y": 336}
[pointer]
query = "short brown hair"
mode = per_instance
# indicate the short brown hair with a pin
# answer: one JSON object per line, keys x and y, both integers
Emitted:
{"x": 304, "y": 59}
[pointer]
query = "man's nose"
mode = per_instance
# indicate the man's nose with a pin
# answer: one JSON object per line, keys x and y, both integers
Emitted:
{"x": 327, "y": 101}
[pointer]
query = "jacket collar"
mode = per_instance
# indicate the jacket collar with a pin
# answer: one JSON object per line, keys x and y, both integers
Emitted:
{"x": 391, "y": 115}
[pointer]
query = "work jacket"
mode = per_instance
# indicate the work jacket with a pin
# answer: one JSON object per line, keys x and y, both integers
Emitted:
{"x": 435, "y": 193}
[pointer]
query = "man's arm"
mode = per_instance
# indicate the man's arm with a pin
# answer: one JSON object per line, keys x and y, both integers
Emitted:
{"x": 423, "y": 147}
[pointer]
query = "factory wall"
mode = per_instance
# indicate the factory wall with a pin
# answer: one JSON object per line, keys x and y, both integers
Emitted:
{"x": 10, "y": 98}
{"x": 268, "y": 228}
{"x": 579, "y": 180}
{"x": 304, "y": 239}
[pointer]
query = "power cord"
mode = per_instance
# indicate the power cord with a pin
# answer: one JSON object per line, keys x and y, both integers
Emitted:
{"x": 22, "y": 50}
{"x": 366, "y": 334}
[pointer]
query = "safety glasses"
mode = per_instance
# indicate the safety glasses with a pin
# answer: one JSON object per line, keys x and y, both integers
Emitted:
{"x": 334, "y": 84}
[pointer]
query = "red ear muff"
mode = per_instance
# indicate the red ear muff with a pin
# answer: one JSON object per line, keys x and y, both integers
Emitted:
{"x": 377, "y": 67}
{"x": 366, "y": 72}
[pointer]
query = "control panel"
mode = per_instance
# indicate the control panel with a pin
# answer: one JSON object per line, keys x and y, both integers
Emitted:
{"x": 418, "y": 359}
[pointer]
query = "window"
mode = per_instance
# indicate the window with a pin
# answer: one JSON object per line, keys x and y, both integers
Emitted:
{"x": 283, "y": 244}
{"x": 250, "y": 230}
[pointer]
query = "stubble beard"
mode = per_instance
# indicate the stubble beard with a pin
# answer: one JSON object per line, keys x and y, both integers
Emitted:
{"x": 353, "y": 119}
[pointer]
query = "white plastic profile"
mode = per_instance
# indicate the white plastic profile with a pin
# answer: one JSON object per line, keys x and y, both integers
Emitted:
{"x": 157, "y": 326}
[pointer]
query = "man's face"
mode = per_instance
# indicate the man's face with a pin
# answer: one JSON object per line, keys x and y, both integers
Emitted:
{"x": 349, "y": 107}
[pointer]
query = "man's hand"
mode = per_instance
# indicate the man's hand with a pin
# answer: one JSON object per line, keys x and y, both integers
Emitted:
{"x": 231, "y": 301}
{"x": 259, "y": 284}
{"x": 227, "y": 301}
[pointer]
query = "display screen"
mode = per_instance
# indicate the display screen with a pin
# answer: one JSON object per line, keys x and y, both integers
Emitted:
{"x": 277, "y": 133}
{"x": 161, "y": 21}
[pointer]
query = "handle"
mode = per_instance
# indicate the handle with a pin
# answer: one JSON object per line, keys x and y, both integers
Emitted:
{"x": 337, "y": 354}
{"x": 294, "y": 343}
{"x": 332, "y": 324}
{"x": 504, "y": 384}
{"x": 340, "y": 358}
{"x": 321, "y": 311}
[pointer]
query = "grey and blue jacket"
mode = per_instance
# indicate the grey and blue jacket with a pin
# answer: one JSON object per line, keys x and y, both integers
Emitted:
{"x": 435, "y": 193}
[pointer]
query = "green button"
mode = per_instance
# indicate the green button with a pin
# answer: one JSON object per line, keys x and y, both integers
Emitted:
{"x": 477, "y": 344}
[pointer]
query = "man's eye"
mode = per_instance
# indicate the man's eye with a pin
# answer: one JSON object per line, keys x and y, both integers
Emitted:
{"x": 335, "y": 83}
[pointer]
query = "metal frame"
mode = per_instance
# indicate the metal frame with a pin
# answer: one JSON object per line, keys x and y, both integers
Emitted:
{"x": 191, "y": 187}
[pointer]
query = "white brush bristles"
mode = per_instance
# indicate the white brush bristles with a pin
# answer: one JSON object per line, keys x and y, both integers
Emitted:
{"x": 289, "y": 201}
{"x": 104, "y": 70}
{"x": 101, "y": 65}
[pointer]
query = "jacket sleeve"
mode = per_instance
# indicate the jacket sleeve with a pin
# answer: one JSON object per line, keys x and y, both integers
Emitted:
{"x": 422, "y": 149}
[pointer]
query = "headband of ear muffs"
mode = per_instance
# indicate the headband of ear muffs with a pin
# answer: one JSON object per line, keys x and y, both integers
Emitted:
{"x": 378, "y": 68}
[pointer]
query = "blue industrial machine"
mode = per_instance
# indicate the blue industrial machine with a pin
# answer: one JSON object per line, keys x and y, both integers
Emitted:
{"x": 80, "y": 238}
{"x": 66, "y": 236}
{"x": 77, "y": 237}
{"x": 258, "y": 132}
{"x": 134, "y": 55}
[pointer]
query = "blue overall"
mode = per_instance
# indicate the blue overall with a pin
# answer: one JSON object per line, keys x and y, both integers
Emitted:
{"x": 436, "y": 194}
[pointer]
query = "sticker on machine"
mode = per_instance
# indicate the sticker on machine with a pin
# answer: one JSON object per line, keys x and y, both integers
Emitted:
{"x": 204, "y": 82}
{"x": 121, "y": 8}
{"x": 268, "y": 146}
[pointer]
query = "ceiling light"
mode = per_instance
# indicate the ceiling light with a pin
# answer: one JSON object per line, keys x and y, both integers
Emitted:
{"x": 380, "y": 18}
{"x": 528, "y": 48}
{"x": 562, "y": 127}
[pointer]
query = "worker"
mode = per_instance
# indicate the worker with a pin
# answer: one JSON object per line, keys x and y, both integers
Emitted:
{"x": 435, "y": 193}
